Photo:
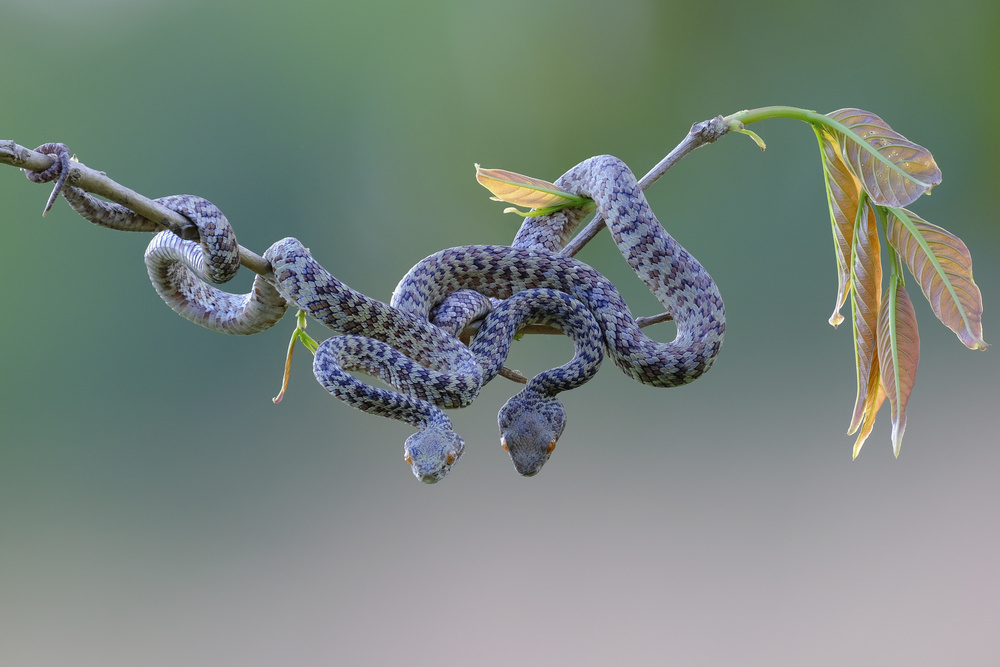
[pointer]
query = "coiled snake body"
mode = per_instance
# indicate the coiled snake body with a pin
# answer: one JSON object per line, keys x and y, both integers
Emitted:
{"x": 673, "y": 275}
{"x": 385, "y": 342}
{"x": 430, "y": 368}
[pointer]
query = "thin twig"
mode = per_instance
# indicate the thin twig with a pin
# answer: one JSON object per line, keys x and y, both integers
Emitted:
{"x": 98, "y": 183}
{"x": 705, "y": 132}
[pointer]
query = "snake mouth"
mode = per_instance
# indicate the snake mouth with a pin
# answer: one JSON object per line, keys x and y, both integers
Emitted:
{"x": 528, "y": 461}
{"x": 432, "y": 476}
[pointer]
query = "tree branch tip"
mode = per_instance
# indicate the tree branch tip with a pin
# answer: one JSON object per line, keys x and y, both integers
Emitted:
{"x": 711, "y": 130}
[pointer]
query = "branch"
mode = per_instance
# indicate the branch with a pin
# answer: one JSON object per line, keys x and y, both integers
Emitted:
{"x": 700, "y": 134}
{"x": 97, "y": 182}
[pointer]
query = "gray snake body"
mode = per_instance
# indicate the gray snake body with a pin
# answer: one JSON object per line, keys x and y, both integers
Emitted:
{"x": 673, "y": 275}
{"x": 430, "y": 368}
{"x": 385, "y": 342}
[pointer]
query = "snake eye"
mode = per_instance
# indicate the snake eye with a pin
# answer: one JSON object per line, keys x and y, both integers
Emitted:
{"x": 503, "y": 443}
{"x": 408, "y": 458}
{"x": 552, "y": 445}
{"x": 452, "y": 455}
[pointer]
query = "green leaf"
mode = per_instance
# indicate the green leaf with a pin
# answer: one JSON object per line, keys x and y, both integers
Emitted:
{"x": 942, "y": 264}
{"x": 754, "y": 136}
{"x": 898, "y": 352}
{"x": 842, "y": 193}
{"x": 866, "y": 294}
{"x": 529, "y": 192}
{"x": 894, "y": 170}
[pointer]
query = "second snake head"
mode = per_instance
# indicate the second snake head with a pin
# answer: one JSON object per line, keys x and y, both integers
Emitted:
{"x": 529, "y": 429}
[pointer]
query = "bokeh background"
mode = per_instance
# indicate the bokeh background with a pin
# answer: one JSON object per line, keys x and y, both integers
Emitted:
{"x": 157, "y": 509}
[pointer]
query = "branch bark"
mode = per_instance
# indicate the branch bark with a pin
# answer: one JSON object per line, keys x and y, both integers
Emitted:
{"x": 98, "y": 183}
{"x": 700, "y": 134}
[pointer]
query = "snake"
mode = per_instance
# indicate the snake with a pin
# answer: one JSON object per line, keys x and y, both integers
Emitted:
{"x": 431, "y": 368}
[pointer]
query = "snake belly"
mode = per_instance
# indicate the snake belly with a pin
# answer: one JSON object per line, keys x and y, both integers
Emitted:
{"x": 181, "y": 271}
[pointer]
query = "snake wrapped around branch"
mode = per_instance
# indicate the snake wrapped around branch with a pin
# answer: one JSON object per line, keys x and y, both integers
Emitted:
{"x": 430, "y": 369}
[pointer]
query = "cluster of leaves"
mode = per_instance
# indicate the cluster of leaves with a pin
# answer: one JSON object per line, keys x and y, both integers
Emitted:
{"x": 872, "y": 173}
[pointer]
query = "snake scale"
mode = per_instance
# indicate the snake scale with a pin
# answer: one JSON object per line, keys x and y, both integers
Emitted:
{"x": 428, "y": 367}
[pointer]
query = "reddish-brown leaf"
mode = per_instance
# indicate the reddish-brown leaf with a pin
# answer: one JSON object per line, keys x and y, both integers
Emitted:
{"x": 866, "y": 293}
{"x": 842, "y": 193}
{"x": 894, "y": 170}
{"x": 941, "y": 263}
{"x": 898, "y": 352}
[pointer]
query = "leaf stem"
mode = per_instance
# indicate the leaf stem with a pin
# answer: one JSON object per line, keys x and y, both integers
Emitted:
{"x": 895, "y": 261}
{"x": 748, "y": 116}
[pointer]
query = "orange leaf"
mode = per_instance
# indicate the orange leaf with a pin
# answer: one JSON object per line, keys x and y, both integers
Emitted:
{"x": 842, "y": 193}
{"x": 941, "y": 262}
{"x": 525, "y": 191}
{"x": 866, "y": 293}
{"x": 898, "y": 352}
{"x": 894, "y": 170}
{"x": 874, "y": 402}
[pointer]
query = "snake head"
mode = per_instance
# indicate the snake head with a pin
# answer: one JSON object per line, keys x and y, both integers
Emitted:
{"x": 529, "y": 429}
{"x": 432, "y": 452}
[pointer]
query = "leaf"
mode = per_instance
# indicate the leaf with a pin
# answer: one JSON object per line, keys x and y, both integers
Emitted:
{"x": 894, "y": 170}
{"x": 898, "y": 353}
{"x": 753, "y": 135}
{"x": 942, "y": 264}
{"x": 871, "y": 410}
{"x": 866, "y": 293}
{"x": 842, "y": 193}
{"x": 526, "y": 191}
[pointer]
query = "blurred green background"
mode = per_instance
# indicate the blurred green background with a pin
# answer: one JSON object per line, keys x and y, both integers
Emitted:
{"x": 157, "y": 509}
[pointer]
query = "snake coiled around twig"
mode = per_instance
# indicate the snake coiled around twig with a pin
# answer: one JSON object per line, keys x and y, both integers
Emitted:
{"x": 430, "y": 368}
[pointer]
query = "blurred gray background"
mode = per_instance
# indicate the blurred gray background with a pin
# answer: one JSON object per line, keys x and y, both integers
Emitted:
{"x": 157, "y": 509}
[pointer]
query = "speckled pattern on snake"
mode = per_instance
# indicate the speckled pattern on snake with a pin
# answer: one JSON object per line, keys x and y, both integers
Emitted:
{"x": 383, "y": 339}
{"x": 673, "y": 275}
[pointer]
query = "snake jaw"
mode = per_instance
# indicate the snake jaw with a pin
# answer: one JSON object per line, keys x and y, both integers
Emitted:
{"x": 431, "y": 453}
